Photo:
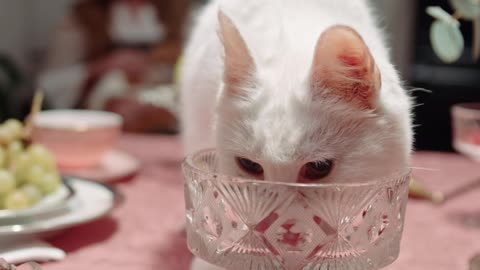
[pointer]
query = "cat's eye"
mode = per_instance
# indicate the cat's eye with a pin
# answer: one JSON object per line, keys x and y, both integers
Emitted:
{"x": 250, "y": 167}
{"x": 316, "y": 170}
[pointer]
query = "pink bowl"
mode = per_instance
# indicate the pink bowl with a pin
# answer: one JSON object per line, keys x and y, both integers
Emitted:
{"x": 77, "y": 138}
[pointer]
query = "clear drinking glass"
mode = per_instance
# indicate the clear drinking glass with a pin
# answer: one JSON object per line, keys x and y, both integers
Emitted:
{"x": 466, "y": 140}
{"x": 466, "y": 129}
{"x": 242, "y": 224}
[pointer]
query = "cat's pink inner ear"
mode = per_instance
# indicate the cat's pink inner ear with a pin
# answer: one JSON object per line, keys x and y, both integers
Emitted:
{"x": 344, "y": 67}
{"x": 238, "y": 62}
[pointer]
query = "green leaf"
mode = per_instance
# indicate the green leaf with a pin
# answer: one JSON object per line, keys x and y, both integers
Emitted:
{"x": 440, "y": 14}
{"x": 468, "y": 9}
{"x": 447, "y": 41}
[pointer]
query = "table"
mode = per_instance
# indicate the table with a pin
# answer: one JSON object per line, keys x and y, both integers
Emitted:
{"x": 144, "y": 233}
{"x": 434, "y": 235}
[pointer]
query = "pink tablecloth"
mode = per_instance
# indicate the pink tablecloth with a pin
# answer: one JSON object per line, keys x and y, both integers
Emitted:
{"x": 144, "y": 232}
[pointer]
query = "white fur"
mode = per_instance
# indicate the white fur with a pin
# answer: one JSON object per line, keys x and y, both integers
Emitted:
{"x": 277, "y": 123}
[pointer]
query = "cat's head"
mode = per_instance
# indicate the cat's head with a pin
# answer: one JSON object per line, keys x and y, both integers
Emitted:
{"x": 329, "y": 124}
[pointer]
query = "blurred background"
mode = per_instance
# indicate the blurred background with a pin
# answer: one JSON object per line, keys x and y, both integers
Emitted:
{"x": 120, "y": 55}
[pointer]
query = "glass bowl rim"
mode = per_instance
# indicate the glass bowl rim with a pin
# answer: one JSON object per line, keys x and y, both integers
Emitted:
{"x": 187, "y": 164}
{"x": 466, "y": 109}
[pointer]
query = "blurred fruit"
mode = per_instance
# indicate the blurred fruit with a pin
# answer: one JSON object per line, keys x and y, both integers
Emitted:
{"x": 15, "y": 128}
{"x": 7, "y": 182}
{"x": 49, "y": 182}
{"x": 27, "y": 172}
{"x": 14, "y": 149}
{"x": 32, "y": 192}
{"x": 16, "y": 200}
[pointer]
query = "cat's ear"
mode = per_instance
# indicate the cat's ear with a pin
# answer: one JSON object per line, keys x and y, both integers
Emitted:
{"x": 344, "y": 67}
{"x": 239, "y": 64}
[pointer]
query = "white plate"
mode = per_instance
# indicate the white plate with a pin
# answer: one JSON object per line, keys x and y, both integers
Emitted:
{"x": 51, "y": 203}
{"x": 115, "y": 165}
{"x": 91, "y": 201}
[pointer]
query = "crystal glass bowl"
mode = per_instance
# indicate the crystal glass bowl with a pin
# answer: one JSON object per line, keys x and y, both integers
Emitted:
{"x": 242, "y": 224}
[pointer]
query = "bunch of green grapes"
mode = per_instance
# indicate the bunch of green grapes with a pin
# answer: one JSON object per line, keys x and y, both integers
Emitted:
{"x": 27, "y": 172}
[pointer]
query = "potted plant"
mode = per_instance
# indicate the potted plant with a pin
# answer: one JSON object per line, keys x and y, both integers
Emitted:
{"x": 445, "y": 36}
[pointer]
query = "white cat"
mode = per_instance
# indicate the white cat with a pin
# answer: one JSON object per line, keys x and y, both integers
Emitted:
{"x": 290, "y": 90}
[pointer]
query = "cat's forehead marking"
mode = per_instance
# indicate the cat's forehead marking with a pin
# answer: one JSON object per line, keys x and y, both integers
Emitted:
{"x": 295, "y": 131}
{"x": 280, "y": 131}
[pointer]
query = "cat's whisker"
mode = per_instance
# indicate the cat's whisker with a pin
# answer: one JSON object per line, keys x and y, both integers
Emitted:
{"x": 418, "y": 89}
